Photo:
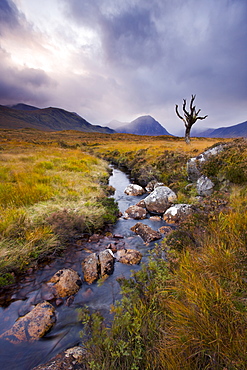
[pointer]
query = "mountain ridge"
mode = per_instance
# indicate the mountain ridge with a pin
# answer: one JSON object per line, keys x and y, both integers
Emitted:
{"x": 238, "y": 130}
{"x": 22, "y": 115}
{"x": 46, "y": 119}
{"x": 22, "y": 106}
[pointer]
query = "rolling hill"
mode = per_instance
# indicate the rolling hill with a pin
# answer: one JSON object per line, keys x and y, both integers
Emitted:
{"x": 144, "y": 125}
{"x": 47, "y": 119}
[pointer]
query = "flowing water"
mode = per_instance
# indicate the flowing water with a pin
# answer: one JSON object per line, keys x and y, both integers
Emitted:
{"x": 33, "y": 289}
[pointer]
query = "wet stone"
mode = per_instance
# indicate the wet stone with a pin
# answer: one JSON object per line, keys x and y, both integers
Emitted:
{"x": 106, "y": 261}
{"x": 90, "y": 268}
{"x": 134, "y": 190}
{"x": 71, "y": 359}
{"x": 155, "y": 218}
{"x": 135, "y": 212}
{"x": 118, "y": 236}
{"x": 129, "y": 256}
{"x": 146, "y": 232}
{"x": 65, "y": 282}
{"x": 59, "y": 302}
{"x": 95, "y": 238}
{"x": 113, "y": 247}
{"x": 69, "y": 301}
{"x": 141, "y": 203}
{"x": 33, "y": 325}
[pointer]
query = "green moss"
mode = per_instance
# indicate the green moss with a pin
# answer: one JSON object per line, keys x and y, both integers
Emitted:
{"x": 6, "y": 279}
{"x": 111, "y": 210}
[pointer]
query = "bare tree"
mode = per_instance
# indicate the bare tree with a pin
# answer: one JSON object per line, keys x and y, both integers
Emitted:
{"x": 189, "y": 118}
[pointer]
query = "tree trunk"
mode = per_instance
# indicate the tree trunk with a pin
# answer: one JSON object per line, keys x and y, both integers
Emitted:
{"x": 189, "y": 118}
{"x": 187, "y": 135}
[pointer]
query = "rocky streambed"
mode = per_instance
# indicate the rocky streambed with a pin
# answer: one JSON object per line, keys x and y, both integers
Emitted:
{"x": 39, "y": 316}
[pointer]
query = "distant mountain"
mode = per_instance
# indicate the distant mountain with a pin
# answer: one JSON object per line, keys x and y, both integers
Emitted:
{"x": 48, "y": 119}
{"x": 201, "y": 133}
{"x": 239, "y": 130}
{"x": 21, "y": 106}
{"x": 144, "y": 125}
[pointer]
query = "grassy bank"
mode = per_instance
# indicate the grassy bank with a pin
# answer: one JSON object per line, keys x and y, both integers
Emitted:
{"x": 49, "y": 195}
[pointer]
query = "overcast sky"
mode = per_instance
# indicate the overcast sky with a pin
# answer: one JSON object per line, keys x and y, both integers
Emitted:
{"x": 120, "y": 59}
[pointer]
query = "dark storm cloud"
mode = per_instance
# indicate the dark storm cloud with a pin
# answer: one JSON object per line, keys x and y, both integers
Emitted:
{"x": 161, "y": 51}
{"x": 127, "y": 30}
{"x": 131, "y": 37}
{"x": 183, "y": 37}
{"x": 9, "y": 16}
{"x": 33, "y": 77}
{"x": 22, "y": 84}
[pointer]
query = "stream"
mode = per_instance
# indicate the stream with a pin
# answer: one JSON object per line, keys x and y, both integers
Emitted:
{"x": 32, "y": 289}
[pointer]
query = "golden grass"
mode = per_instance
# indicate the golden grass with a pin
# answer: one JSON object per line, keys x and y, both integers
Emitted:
{"x": 207, "y": 324}
{"x": 102, "y": 142}
{"x": 45, "y": 173}
{"x": 35, "y": 182}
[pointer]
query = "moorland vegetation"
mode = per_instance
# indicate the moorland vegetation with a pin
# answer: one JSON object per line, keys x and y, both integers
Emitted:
{"x": 186, "y": 309}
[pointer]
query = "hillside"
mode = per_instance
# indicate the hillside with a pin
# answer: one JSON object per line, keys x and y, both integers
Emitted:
{"x": 144, "y": 125}
{"x": 239, "y": 130}
{"x": 48, "y": 119}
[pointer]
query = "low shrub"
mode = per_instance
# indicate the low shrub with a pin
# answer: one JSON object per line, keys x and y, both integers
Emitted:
{"x": 132, "y": 340}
